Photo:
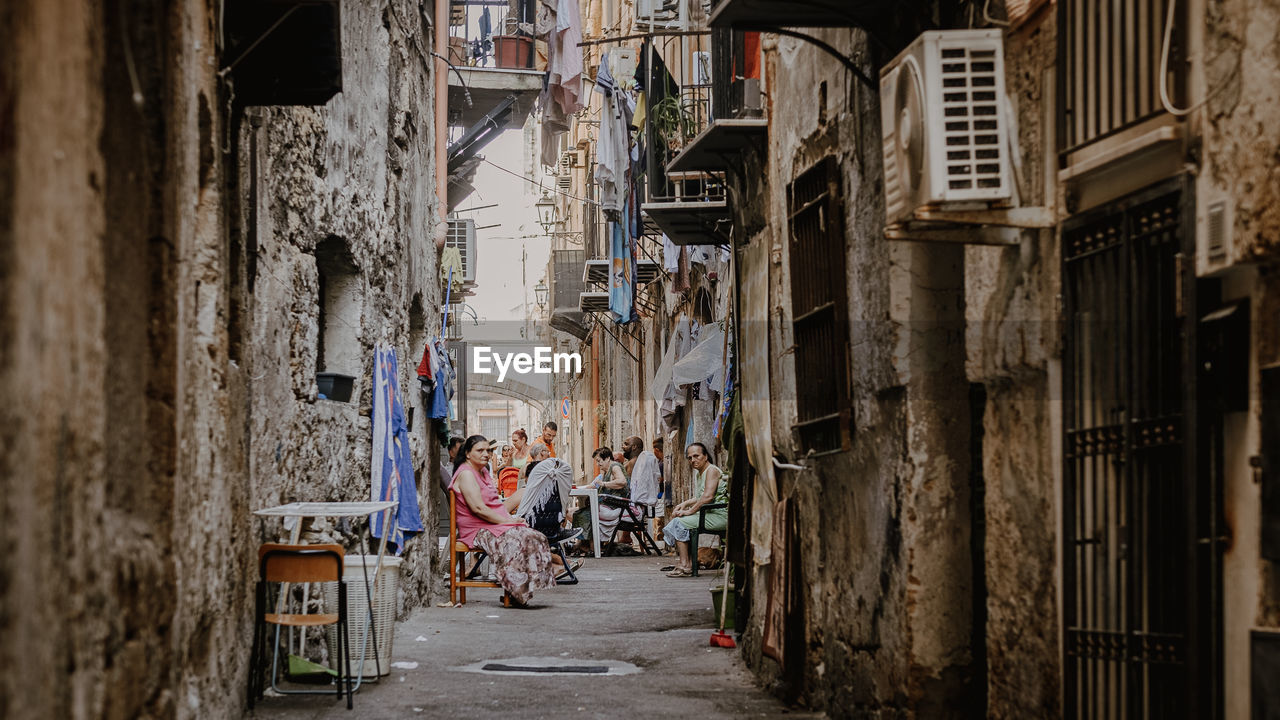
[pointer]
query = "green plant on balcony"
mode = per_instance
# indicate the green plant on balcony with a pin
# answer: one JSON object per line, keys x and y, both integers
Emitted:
{"x": 674, "y": 124}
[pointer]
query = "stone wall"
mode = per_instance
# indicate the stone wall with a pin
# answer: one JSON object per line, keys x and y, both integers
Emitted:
{"x": 157, "y": 336}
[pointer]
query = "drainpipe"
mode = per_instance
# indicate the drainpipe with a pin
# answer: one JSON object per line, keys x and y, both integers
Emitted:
{"x": 442, "y": 119}
{"x": 595, "y": 386}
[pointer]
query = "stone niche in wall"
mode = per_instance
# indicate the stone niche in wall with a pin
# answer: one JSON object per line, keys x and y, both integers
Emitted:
{"x": 341, "y": 310}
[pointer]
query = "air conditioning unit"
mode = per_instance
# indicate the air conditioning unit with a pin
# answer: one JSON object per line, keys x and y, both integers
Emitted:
{"x": 462, "y": 235}
{"x": 746, "y": 99}
{"x": 667, "y": 14}
{"x": 943, "y": 115}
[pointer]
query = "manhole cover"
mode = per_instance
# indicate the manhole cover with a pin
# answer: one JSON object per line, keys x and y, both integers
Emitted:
{"x": 542, "y": 666}
{"x": 580, "y": 669}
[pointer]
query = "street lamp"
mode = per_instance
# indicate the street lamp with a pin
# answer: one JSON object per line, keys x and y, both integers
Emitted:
{"x": 540, "y": 294}
{"x": 546, "y": 213}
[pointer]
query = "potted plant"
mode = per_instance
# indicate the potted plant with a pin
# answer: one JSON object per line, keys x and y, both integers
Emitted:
{"x": 674, "y": 125}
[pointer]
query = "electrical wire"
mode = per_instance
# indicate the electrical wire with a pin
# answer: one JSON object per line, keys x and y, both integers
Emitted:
{"x": 1164, "y": 67}
{"x": 1165, "y": 101}
{"x": 539, "y": 183}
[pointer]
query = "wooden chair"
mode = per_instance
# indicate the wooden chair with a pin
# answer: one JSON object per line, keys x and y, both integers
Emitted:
{"x": 459, "y": 578}
{"x": 298, "y": 564}
{"x": 702, "y": 529}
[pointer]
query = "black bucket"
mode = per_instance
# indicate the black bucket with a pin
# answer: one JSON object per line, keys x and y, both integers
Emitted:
{"x": 335, "y": 386}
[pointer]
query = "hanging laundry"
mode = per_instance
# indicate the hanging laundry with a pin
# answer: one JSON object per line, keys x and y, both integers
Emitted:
{"x": 426, "y": 375}
{"x": 670, "y": 255}
{"x": 613, "y": 154}
{"x": 681, "y": 283}
{"x": 391, "y": 472}
{"x": 451, "y": 262}
{"x": 564, "y": 58}
{"x": 621, "y": 274}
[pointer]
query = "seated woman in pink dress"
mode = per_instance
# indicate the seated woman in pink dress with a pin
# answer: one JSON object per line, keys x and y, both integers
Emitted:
{"x": 520, "y": 554}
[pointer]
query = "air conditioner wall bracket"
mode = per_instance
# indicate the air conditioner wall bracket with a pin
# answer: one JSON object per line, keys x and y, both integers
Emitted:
{"x": 1030, "y": 218}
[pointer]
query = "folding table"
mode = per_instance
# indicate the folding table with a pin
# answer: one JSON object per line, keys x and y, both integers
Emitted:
{"x": 299, "y": 510}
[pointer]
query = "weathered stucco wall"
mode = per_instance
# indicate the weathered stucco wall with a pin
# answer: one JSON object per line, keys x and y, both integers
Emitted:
{"x": 345, "y": 191}
{"x": 1241, "y": 138}
{"x": 124, "y": 588}
{"x": 1013, "y": 336}
{"x": 884, "y": 527}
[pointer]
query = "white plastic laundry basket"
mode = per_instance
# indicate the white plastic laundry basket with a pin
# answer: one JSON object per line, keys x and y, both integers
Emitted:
{"x": 384, "y": 613}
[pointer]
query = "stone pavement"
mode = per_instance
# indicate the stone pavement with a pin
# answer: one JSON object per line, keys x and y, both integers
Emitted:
{"x": 623, "y": 612}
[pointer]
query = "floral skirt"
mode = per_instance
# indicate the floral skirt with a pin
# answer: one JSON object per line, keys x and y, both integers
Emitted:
{"x": 522, "y": 561}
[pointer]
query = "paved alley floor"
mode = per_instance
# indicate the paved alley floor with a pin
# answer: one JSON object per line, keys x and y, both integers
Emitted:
{"x": 623, "y": 612}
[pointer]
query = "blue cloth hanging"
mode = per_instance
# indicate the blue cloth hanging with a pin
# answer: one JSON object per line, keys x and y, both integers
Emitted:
{"x": 391, "y": 474}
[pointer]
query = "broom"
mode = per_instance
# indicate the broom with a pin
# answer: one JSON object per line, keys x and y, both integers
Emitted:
{"x": 720, "y": 638}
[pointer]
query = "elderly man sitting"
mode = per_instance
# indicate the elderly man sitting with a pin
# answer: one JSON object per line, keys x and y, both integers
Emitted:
{"x": 537, "y": 453}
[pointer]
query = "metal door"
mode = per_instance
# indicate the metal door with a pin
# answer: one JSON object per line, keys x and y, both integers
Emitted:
{"x": 1129, "y": 562}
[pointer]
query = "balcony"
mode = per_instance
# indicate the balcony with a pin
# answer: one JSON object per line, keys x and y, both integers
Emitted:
{"x": 567, "y": 284}
{"x": 737, "y": 118}
{"x": 695, "y": 213}
{"x": 769, "y": 14}
{"x": 719, "y": 147}
{"x": 596, "y": 272}
{"x": 492, "y": 57}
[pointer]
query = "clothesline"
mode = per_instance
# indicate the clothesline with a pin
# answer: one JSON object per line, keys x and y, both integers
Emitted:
{"x": 643, "y": 36}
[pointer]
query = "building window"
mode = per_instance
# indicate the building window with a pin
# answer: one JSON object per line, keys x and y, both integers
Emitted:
{"x": 1109, "y": 57}
{"x": 495, "y": 427}
{"x": 819, "y": 308}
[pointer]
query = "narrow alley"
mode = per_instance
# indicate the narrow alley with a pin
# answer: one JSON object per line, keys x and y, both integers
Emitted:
{"x": 651, "y": 637}
{"x": 867, "y": 359}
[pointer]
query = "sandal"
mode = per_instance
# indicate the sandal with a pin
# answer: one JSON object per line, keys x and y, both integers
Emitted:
{"x": 664, "y": 568}
{"x": 678, "y": 572}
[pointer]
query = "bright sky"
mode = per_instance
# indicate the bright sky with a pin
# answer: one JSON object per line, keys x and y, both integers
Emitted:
{"x": 500, "y": 290}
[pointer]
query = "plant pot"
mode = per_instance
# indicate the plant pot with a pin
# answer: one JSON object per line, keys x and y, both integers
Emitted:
{"x": 716, "y": 592}
{"x": 335, "y": 386}
{"x": 513, "y": 52}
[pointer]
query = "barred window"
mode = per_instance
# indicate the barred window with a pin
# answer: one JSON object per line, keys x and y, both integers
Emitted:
{"x": 1109, "y": 54}
{"x": 819, "y": 308}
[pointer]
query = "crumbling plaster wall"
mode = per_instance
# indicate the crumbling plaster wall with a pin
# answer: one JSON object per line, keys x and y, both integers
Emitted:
{"x": 1241, "y": 138}
{"x": 353, "y": 178}
{"x": 1013, "y": 347}
{"x": 884, "y": 527}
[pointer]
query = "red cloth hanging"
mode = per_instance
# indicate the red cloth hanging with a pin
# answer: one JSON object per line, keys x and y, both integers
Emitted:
{"x": 751, "y": 63}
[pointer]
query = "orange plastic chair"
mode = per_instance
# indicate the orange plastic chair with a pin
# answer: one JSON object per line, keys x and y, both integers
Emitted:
{"x": 459, "y": 578}
{"x": 298, "y": 564}
{"x": 508, "y": 481}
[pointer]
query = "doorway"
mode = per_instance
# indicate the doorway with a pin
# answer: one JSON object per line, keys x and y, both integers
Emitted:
{"x": 1131, "y": 490}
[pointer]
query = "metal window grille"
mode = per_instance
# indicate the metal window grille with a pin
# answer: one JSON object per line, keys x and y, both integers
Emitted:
{"x": 819, "y": 308}
{"x": 1109, "y": 52}
{"x": 1127, "y": 492}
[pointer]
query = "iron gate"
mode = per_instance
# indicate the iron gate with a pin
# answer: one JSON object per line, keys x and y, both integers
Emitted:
{"x": 1128, "y": 497}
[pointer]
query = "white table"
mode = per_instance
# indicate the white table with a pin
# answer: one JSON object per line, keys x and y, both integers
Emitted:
{"x": 593, "y": 495}
{"x": 299, "y": 510}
